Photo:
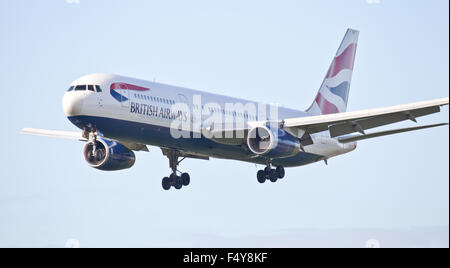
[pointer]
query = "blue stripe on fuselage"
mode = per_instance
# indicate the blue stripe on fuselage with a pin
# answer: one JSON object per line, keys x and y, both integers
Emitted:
{"x": 161, "y": 137}
{"x": 118, "y": 96}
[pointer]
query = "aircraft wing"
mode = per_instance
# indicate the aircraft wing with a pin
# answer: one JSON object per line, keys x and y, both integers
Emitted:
{"x": 70, "y": 135}
{"x": 73, "y": 135}
{"x": 352, "y": 138}
{"x": 350, "y": 122}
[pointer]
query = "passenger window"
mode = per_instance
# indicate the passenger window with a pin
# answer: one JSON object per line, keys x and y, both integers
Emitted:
{"x": 70, "y": 88}
{"x": 98, "y": 88}
{"x": 80, "y": 88}
{"x": 91, "y": 88}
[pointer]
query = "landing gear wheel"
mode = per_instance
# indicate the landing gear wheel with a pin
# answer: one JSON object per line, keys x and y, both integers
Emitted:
{"x": 178, "y": 183}
{"x": 166, "y": 183}
{"x": 273, "y": 175}
{"x": 261, "y": 175}
{"x": 280, "y": 172}
{"x": 174, "y": 180}
{"x": 186, "y": 179}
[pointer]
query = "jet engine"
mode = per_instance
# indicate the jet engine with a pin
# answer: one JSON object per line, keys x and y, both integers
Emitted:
{"x": 272, "y": 142}
{"x": 108, "y": 155}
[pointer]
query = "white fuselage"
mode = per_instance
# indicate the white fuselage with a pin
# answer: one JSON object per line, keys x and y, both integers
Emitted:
{"x": 143, "y": 112}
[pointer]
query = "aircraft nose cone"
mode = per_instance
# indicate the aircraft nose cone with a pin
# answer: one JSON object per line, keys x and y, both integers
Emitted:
{"x": 72, "y": 104}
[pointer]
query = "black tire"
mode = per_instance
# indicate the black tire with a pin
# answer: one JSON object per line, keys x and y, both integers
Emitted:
{"x": 166, "y": 184}
{"x": 273, "y": 175}
{"x": 98, "y": 156}
{"x": 178, "y": 183}
{"x": 186, "y": 179}
{"x": 261, "y": 176}
{"x": 280, "y": 172}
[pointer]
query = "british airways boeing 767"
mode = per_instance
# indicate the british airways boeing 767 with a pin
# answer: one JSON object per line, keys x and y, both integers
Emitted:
{"x": 118, "y": 115}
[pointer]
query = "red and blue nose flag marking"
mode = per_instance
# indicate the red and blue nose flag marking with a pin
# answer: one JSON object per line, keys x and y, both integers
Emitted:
{"x": 124, "y": 86}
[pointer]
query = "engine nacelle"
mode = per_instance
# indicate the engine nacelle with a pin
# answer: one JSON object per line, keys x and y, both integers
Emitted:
{"x": 272, "y": 142}
{"x": 108, "y": 155}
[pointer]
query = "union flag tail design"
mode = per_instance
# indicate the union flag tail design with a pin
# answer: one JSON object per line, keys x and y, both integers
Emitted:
{"x": 333, "y": 93}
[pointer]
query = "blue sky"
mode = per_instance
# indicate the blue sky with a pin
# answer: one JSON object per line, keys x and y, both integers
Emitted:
{"x": 270, "y": 51}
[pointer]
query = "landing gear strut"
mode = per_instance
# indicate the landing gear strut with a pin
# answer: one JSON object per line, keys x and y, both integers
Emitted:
{"x": 270, "y": 174}
{"x": 174, "y": 180}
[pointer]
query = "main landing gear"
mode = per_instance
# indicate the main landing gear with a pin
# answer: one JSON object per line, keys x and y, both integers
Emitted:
{"x": 174, "y": 180}
{"x": 270, "y": 174}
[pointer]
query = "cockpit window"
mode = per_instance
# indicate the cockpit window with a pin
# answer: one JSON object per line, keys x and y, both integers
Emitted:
{"x": 93, "y": 88}
{"x": 80, "y": 88}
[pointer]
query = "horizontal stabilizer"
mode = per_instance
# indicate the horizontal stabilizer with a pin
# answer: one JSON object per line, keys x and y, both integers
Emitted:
{"x": 385, "y": 133}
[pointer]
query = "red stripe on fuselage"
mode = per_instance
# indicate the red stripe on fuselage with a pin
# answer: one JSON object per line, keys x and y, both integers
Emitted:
{"x": 325, "y": 106}
{"x": 127, "y": 86}
{"x": 343, "y": 61}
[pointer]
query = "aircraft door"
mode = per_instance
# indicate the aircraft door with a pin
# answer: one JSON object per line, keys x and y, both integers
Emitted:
{"x": 99, "y": 95}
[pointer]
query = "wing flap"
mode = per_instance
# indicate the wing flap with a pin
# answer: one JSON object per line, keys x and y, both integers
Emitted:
{"x": 385, "y": 133}
{"x": 228, "y": 136}
{"x": 378, "y": 121}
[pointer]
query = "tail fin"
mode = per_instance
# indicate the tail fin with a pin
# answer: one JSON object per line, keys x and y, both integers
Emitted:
{"x": 333, "y": 93}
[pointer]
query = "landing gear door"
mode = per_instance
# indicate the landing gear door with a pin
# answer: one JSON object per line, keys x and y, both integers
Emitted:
{"x": 99, "y": 96}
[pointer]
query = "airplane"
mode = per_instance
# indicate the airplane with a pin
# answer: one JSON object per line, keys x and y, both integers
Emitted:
{"x": 119, "y": 115}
